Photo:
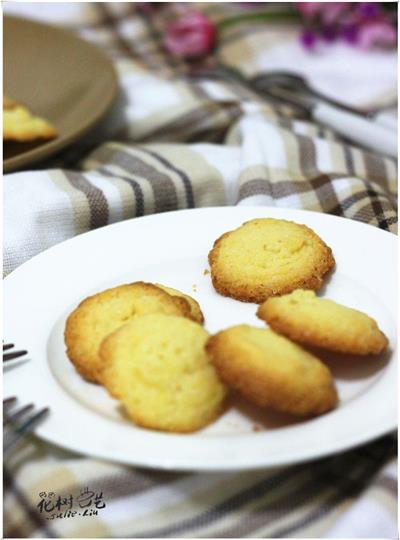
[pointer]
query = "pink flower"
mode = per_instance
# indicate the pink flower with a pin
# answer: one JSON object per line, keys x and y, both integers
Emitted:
{"x": 332, "y": 11}
{"x": 377, "y": 34}
{"x": 309, "y": 9}
{"x": 191, "y": 36}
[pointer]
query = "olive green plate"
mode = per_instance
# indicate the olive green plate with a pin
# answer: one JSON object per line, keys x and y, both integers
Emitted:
{"x": 68, "y": 81}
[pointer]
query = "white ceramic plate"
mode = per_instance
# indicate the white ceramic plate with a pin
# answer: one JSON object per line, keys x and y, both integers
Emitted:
{"x": 172, "y": 249}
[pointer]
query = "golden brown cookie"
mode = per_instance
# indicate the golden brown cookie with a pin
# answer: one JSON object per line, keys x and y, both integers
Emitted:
{"x": 268, "y": 257}
{"x": 195, "y": 310}
{"x": 157, "y": 366}
{"x": 271, "y": 371}
{"x": 305, "y": 318}
{"x": 101, "y": 314}
{"x": 19, "y": 124}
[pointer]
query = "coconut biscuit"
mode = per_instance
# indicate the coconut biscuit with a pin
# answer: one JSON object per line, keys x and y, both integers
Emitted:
{"x": 305, "y": 318}
{"x": 156, "y": 365}
{"x": 19, "y": 124}
{"x": 195, "y": 310}
{"x": 102, "y": 313}
{"x": 271, "y": 371}
{"x": 268, "y": 257}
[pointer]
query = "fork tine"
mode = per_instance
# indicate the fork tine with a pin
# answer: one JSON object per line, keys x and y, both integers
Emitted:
{"x": 9, "y": 401}
{"x": 8, "y": 346}
{"x": 14, "y": 436}
{"x": 13, "y": 355}
{"x": 33, "y": 420}
{"x": 7, "y": 419}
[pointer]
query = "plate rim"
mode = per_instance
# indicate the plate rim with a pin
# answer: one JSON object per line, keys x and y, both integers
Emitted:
{"x": 49, "y": 148}
{"x": 100, "y": 230}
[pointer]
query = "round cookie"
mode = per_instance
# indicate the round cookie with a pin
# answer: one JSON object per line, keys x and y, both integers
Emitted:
{"x": 101, "y": 314}
{"x": 305, "y": 318}
{"x": 271, "y": 371}
{"x": 268, "y": 257}
{"x": 195, "y": 310}
{"x": 157, "y": 366}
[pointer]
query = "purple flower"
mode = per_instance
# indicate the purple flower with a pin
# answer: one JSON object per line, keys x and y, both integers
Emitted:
{"x": 377, "y": 34}
{"x": 369, "y": 10}
{"x": 366, "y": 24}
{"x": 328, "y": 33}
{"x": 308, "y": 39}
{"x": 350, "y": 33}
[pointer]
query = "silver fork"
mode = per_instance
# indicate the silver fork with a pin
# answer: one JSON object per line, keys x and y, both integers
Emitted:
{"x": 12, "y": 354}
{"x": 17, "y": 421}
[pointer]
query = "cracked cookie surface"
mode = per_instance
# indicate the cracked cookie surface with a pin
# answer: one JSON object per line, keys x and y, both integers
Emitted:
{"x": 267, "y": 257}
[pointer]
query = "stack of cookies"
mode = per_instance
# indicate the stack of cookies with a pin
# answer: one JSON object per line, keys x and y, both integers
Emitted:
{"x": 146, "y": 344}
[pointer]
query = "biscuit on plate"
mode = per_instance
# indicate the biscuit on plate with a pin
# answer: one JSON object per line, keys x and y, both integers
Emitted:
{"x": 19, "y": 124}
{"x": 271, "y": 371}
{"x": 101, "y": 314}
{"x": 268, "y": 257}
{"x": 305, "y": 318}
{"x": 195, "y": 310}
{"x": 157, "y": 366}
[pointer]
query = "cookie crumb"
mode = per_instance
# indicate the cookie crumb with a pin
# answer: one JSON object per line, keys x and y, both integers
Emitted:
{"x": 194, "y": 288}
{"x": 206, "y": 272}
{"x": 256, "y": 428}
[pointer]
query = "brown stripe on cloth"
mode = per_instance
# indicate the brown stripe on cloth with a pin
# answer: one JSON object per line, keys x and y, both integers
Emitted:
{"x": 348, "y": 489}
{"x": 111, "y": 22}
{"x": 128, "y": 482}
{"x": 376, "y": 171}
{"x": 322, "y": 183}
{"x": 324, "y": 476}
{"x": 375, "y": 212}
{"x": 226, "y": 507}
{"x": 184, "y": 177}
{"x": 346, "y": 473}
{"x": 256, "y": 186}
{"x": 348, "y": 483}
{"x": 348, "y": 158}
{"x": 231, "y": 112}
{"x": 163, "y": 187}
{"x": 97, "y": 202}
{"x": 366, "y": 190}
{"x": 141, "y": 48}
{"x": 238, "y": 89}
{"x": 277, "y": 189}
{"x": 195, "y": 122}
{"x": 34, "y": 521}
{"x": 383, "y": 209}
{"x": 216, "y": 132}
{"x": 134, "y": 185}
{"x": 266, "y": 514}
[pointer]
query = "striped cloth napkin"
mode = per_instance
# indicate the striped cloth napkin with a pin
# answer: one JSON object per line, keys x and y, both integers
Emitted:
{"x": 172, "y": 143}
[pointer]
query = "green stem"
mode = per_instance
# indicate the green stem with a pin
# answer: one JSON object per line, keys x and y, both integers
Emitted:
{"x": 259, "y": 17}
